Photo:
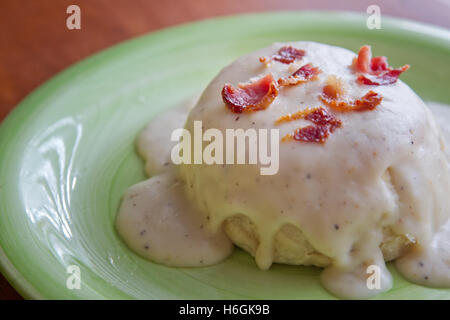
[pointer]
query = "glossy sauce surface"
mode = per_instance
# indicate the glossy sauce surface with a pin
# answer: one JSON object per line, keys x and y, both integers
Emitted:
{"x": 386, "y": 159}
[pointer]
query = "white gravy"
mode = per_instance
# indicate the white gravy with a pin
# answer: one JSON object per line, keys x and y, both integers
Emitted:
{"x": 158, "y": 222}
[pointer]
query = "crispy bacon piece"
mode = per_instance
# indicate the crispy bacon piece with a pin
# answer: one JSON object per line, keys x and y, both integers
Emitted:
{"x": 375, "y": 71}
{"x": 324, "y": 123}
{"x": 362, "y": 62}
{"x": 321, "y": 117}
{"x": 333, "y": 93}
{"x": 294, "y": 116}
{"x": 317, "y": 134}
{"x": 249, "y": 97}
{"x": 386, "y": 78}
{"x": 334, "y": 89}
{"x": 303, "y": 74}
{"x": 286, "y": 55}
{"x": 368, "y": 102}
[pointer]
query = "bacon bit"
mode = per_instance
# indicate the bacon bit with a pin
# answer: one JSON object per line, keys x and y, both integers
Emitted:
{"x": 250, "y": 97}
{"x": 368, "y": 102}
{"x": 334, "y": 89}
{"x": 264, "y": 60}
{"x": 324, "y": 124}
{"x": 333, "y": 92}
{"x": 378, "y": 64}
{"x": 376, "y": 70}
{"x": 321, "y": 117}
{"x": 288, "y": 55}
{"x": 317, "y": 134}
{"x": 303, "y": 74}
{"x": 294, "y": 116}
{"x": 362, "y": 62}
{"x": 285, "y": 55}
{"x": 386, "y": 78}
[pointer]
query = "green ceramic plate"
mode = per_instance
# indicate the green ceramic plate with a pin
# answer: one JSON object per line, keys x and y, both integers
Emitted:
{"x": 67, "y": 155}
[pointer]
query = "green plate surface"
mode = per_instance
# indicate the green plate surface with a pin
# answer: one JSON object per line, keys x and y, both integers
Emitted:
{"x": 67, "y": 155}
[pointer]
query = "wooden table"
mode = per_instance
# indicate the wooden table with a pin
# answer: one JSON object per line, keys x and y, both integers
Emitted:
{"x": 35, "y": 43}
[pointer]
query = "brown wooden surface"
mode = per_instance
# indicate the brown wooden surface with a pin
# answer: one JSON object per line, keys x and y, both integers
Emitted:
{"x": 35, "y": 43}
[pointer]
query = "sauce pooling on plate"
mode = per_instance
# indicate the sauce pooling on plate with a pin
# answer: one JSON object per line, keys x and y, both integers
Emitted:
{"x": 155, "y": 218}
{"x": 346, "y": 202}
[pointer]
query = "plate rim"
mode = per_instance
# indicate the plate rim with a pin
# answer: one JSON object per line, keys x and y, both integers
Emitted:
{"x": 18, "y": 280}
